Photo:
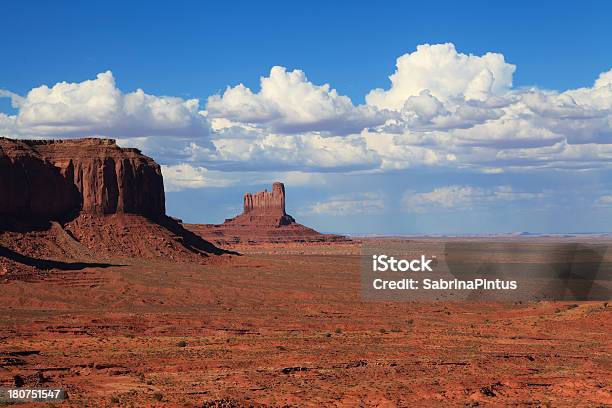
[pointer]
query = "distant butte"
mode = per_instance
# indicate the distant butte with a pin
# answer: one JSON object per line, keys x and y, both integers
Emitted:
{"x": 264, "y": 208}
{"x": 263, "y": 220}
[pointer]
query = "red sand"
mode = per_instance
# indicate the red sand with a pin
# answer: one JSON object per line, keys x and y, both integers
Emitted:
{"x": 290, "y": 329}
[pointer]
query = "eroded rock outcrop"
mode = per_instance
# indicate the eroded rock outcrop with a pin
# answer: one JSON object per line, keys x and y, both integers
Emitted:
{"x": 76, "y": 201}
{"x": 50, "y": 179}
{"x": 264, "y": 208}
{"x": 266, "y": 202}
{"x": 263, "y": 220}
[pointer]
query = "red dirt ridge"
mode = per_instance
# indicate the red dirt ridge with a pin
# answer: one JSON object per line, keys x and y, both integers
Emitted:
{"x": 263, "y": 220}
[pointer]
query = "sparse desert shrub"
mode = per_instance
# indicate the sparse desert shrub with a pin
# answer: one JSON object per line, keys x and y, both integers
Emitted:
{"x": 410, "y": 325}
{"x": 327, "y": 334}
{"x": 158, "y": 396}
{"x": 382, "y": 331}
{"x": 182, "y": 343}
{"x": 338, "y": 330}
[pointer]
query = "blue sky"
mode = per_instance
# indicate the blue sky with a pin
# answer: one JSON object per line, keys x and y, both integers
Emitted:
{"x": 463, "y": 143}
{"x": 199, "y": 48}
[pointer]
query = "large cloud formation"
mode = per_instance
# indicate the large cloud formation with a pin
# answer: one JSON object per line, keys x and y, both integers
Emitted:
{"x": 98, "y": 107}
{"x": 288, "y": 103}
{"x": 443, "y": 109}
{"x": 444, "y": 73}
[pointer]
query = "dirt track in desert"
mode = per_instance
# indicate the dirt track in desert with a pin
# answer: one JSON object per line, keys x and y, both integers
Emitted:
{"x": 287, "y": 327}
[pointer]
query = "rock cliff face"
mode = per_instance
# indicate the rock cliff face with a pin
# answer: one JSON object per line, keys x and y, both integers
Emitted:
{"x": 263, "y": 220}
{"x": 266, "y": 202}
{"x": 264, "y": 208}
{"x": 50, "y": 179}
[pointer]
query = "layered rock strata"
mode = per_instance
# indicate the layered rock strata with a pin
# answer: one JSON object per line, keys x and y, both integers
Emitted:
{"x": 51, "y": 179}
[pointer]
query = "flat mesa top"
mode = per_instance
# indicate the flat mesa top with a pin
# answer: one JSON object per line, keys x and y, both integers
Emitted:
{"x": 62, "y": 146}
{"x": 85, "y": 140}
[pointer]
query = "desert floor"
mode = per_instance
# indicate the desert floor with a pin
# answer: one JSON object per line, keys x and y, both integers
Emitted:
{"x": 287, "y": 327}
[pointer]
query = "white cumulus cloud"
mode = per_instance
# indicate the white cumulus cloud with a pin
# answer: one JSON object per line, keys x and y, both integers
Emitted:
{"x": 445, "y": 73}
{"x": 97, "y": 107}
{"x": 289, "y": 103}
{"x": 444, "y": 109}
{"x": 185, "y": 176}
{"x": 308, "y": 152}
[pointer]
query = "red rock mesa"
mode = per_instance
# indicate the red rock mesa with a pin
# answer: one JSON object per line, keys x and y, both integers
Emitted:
{"x": 263, "y": 220}
{"x": 54, "y": 178}
{"x": 84, "y": 199}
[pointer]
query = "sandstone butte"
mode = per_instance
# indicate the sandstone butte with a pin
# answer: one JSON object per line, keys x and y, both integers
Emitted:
{"x": 82, "y": 199}
{"x": 263, "y": 220}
